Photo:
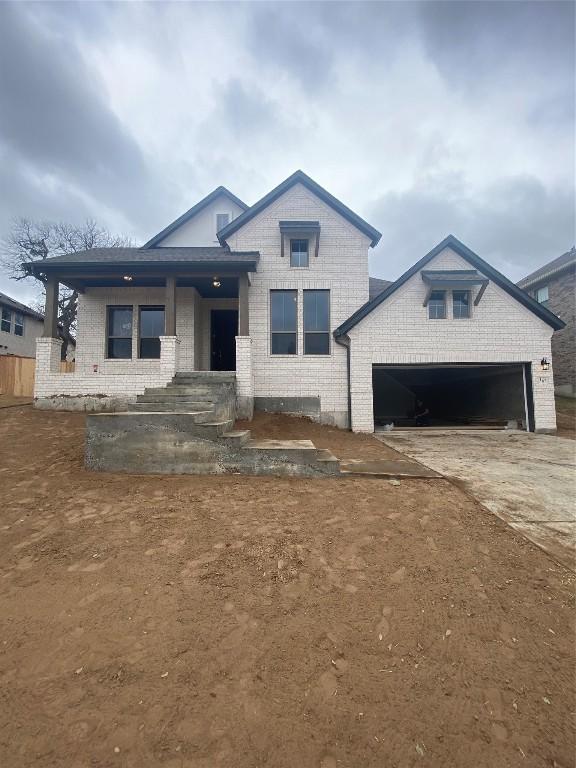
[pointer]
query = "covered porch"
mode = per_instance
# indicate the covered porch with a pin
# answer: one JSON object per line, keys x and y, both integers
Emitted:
{"x": 140, "y": 322}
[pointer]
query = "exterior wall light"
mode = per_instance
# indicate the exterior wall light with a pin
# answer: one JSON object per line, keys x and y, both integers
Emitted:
{"x": 545, "y": 364}
{"x": 216, "y": 283}
{"x": 128, "y": 278}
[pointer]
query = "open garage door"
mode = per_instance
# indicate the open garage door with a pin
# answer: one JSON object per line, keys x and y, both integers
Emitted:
{"x": 466, "y": 395}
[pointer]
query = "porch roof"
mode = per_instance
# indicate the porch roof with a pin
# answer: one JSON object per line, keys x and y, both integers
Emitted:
{"x": 185, "y": 259}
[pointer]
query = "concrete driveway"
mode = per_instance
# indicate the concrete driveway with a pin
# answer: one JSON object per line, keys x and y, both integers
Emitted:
{"x": 527, "y": 480}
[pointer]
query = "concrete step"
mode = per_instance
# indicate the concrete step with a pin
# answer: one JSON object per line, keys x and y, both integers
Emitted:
{"x": 237, "y": 437}
{"x": 162, "y": 405}
{"x": 163, "y": 395}
{"x": 210, "y": 376}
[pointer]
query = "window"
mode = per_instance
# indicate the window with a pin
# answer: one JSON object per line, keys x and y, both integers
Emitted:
{"x": 283, "y": 322}
{"x": 316, "y": 322}
{"x": 222, "y": 220}
{"x": 542, "y": 294}
{"x": 437, "y": 305}
{"x": 460, "y": 304}
{"x": 19, "y": 324}
{"x": 151, "y": 327}
{"x": 6, "y": 322}
{"x": 119, "y": 333}
{"x": 298, "y": 253}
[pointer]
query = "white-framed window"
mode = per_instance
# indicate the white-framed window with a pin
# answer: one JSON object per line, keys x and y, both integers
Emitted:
{"x": 222, "y": 220}
{"x": 18, "y": 324}
{"x": 542, "y": 294}
{"x": 299, "y": 253}
{"x": 6, "y": 322}
{"x": 437, "y": 305}
{"x": 460, "y": 304}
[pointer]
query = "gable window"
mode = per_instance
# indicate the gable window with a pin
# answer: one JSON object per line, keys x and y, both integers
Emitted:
{"x": 18, "y": 324}
{"x": 150, "y": 327}
{"x": 283, "y": 322}
{"x": 298, "y": 253}
{"x": 317, "y": 322}
{"x": 437, "y": 305}
{"x": 542, "y": 294}
{"x": 222, "y": 220}
{"x": 119, "y": 342}
{"x": 6, "y": 322}
{"x": 460, "y": 304}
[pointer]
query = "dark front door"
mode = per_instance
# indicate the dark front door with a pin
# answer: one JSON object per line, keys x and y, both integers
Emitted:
{"x": 223, "y": 332}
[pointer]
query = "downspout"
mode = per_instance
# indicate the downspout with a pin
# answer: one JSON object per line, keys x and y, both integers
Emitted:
{"x": 344, "y": 341}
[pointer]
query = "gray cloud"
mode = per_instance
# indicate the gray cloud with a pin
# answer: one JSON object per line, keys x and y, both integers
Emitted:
{"x": 515, "y": 224}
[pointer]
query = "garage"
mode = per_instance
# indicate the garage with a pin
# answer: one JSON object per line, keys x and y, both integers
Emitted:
{"x": 453, "y": 395}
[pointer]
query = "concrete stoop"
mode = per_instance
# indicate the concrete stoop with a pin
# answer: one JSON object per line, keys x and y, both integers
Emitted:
{"x": 187, "y": 428}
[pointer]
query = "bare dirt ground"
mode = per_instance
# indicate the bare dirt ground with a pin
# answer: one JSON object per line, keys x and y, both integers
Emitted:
{"x": 566, "y": 417}
{"x": 192, "y": 622}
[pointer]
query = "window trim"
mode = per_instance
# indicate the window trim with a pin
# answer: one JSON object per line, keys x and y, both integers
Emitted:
{"x": 146, "y": 307}
{"x": 327, "y": 332}
{"x": 542, "y": 288}
{"x": 221, "y": 213}
{"x": 108, "y": 337}
{"x": 300, "y": 240}
{"x": 462, "y": 317}
{"x": 6, "y": 320}
{"x": 429, "y": 305}
{"x": 287, "y": 333}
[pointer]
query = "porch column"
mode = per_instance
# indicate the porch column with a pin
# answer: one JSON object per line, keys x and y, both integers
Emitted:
{"x": 51, "y": 309}
{"x": 243, "y": 315}
{"x": 170, "y": 311}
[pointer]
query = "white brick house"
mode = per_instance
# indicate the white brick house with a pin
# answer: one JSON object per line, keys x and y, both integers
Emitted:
{"x": 279, "y": 292}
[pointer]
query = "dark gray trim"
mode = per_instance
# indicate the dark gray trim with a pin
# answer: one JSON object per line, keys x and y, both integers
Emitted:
{"x": 191, "y": 212}
{"x": 299, "y": 177}
{"x": 344, "y": 341}
{"x": 483, "y": 266}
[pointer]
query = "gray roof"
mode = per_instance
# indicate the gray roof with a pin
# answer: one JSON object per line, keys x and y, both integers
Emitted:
{"x": 159, "y": 255}
{"x": 16, "y": 305}
{"x": 377, "y": 285}
{"x": 563, "y": 262}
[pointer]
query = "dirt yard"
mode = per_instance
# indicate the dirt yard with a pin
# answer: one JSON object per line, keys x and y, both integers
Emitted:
{"x": 566, "y": 417}
{"x": 197, "y": 622}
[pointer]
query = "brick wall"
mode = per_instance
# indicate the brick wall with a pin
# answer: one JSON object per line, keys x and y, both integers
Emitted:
{"x": 562, "y": 301}
{"x": 399, "y": 331}
{"x": 341, "y": 267}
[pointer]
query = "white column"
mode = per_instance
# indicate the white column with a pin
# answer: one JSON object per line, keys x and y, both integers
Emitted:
{"x": 48, "y": 351}
{"x": 244, "y": 378}
{"x": 169, "y": 356}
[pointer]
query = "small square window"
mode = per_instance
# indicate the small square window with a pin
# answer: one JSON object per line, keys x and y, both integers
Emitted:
{"x": 460, "y": 304}
{"x": 222, "y": 220}
{"x": 437, "y": 305}
{"x": 298, "y": 253}
{"x": 6, "y": 323}
{"x": 542, "y": 294}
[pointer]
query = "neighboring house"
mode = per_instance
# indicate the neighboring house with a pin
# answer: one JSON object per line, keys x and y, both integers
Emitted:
{"x": 554, "y": 286}
{"x": 284, "y": 299}
{"x": 20, "y": 326}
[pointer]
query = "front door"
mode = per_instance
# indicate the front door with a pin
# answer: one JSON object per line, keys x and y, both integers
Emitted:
{"x": 223, "y": 332}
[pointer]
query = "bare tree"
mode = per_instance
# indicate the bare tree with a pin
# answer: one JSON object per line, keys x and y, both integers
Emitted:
{"x": 32, "y": 241}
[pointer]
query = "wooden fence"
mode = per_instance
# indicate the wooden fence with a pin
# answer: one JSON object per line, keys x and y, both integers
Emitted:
{"x": 17, "y": 375}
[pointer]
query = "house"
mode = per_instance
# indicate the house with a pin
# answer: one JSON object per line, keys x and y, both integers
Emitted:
{"x": 279, "y": 293}
{"x": 554, "y": 286}
{"x": 20, "y": 326}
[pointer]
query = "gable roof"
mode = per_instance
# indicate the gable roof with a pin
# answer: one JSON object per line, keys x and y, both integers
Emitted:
{"x": 471, "y": 257}
{"x": 18, "y": 307}
{"x": 299, "y": 177}
{"x": 192, "y": 212}
{"x": 559, "y": 264}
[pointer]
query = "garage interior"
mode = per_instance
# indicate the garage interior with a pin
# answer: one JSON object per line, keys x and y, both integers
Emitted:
{"x": 479, "y": 396}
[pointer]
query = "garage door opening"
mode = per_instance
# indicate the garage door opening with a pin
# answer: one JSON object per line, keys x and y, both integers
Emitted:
{"x": 452, "y": 396}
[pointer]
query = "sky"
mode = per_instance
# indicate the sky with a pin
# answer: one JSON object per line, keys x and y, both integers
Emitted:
{"x": 425, "y": 118}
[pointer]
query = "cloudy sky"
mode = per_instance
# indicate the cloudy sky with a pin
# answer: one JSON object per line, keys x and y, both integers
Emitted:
{"x": 425, "y": 118}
